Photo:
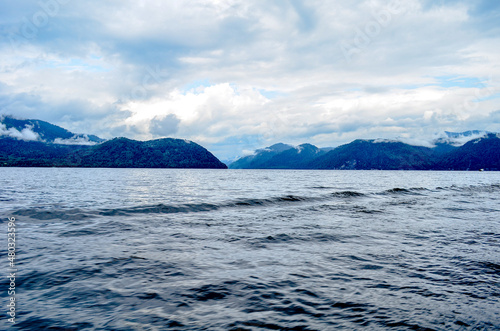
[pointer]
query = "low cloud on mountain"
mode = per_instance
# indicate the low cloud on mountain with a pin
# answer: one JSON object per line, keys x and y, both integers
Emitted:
{"x": 26, "y": 134}
{"x": 239, "y": 75}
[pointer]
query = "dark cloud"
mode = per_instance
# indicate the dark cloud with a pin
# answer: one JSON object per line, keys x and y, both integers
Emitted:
{"x": 165, "y": 126}
{"x": 76, "y": 115}
{"x": 119, "y": 68}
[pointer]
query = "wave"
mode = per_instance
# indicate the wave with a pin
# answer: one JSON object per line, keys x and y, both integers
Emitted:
{"x": 79, "y": 214}
{"x": 488, "y": 188}
{"x": 453, "y": 188}
{"x": 70, "y": 214}
{"x": 347, "y": 194}
{"x": 405, "y": 191}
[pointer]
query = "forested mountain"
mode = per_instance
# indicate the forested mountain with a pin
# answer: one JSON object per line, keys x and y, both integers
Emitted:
{"x": 480, "y": 153}
{"x": 368, "y": 154}
{"x": 44, "y": 131}
{"x": 447, "y": 154}
{"x": 295, "y": 158}
{"x": 115, "y": 153}
{"x": 41, "y": 144}
{"x": 160, "y": 153}
{"x": 260, "y": 158}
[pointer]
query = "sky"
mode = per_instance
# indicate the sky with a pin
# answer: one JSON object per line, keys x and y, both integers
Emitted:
{"x": 235, "y": 76}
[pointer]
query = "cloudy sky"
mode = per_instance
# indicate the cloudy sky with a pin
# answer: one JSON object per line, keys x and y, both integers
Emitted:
{"x": 239, "y": 75}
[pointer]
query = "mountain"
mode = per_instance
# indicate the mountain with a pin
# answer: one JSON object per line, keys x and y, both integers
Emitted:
{"x": 160, "y": 153}
{"x": 42, "y": 144}
{"x": 372, "y": 154}
{"x": 260, "y": 157}
{"x": 460, "y": 138}
{"x": 115, "y": 153}
{"x": 480, "y": 153}
{"x": 471, "y": 150}
{"x": 20, "y": 153}
{"x": 442, "y": 148}
{"x": 294, "y": 158}
{"x": 466, "y": 134}
{"x": 43, "y": 131}
{"x": 34, "y": 143}
{"x": 360, "y": 154}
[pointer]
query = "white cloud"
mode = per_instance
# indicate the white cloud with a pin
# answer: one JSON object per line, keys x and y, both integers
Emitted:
{"x": 273, "y": 71}
{"x": 460, "y": 139}
{"x": 26, "y": 134}
{"x": 75, "y": 140}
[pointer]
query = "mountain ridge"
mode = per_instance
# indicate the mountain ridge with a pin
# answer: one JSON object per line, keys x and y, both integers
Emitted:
{"x": 44, "y": 131}
{"x": 37, "y": 143}
{"x": 34, "y": 143}
{"x": 365, "y": 154}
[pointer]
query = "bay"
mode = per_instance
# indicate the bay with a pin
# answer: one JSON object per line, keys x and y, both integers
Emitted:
{"x": 155, "y": 249}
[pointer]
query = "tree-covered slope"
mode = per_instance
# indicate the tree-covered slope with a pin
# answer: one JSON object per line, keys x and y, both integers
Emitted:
{"x": 447, "y": 154}
{"x": 368, "y": 154}
{"x": 14, "y": 152}
{"x": 294, "y": 158}
{"x": 260, "y": 158}
{"x": 481, "y": 153}
{"x": 161, "y": 153}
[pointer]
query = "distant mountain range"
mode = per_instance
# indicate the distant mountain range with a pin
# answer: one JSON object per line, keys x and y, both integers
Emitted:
{"x": 472, "y": 150}
{"x": 280, "y": 156}
{"x": 34, "y": 143}
{"x": 38, "y": 143}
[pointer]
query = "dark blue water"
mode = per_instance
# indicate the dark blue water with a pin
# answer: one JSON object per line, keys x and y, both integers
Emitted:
{"x": 134, "y": 249}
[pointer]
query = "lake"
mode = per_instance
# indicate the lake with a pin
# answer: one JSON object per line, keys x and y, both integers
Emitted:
{"x": 158, "y": 249}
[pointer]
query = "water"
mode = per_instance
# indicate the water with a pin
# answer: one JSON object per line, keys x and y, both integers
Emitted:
{"x": 157, "y": 249}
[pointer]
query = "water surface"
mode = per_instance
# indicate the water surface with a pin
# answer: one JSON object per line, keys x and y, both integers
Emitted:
{"x": 156, "y": 249}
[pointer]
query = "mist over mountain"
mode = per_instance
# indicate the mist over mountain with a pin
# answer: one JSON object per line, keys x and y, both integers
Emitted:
{"x": 36, "y": 130}
{"x": 480, "y": 153}
{"x": 467, "y": 134}
{"x": 38, "y": 143}
{"x": 471, "y": 150}
{"x": 295, "y": 158}
{"x": 260, "y": 158}
{"x": 34, "y": 143}
{"x": 460, "y": 138}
